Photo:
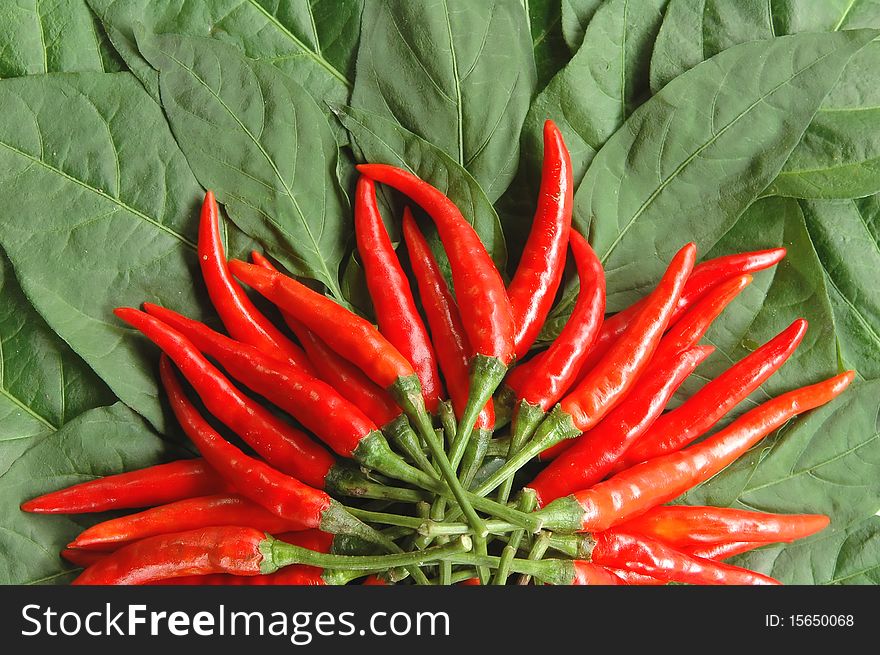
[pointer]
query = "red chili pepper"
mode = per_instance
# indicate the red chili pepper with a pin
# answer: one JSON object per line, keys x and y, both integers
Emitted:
{"x": 318, "y": 406}
{"x": 358, "y": 341}
{"x": 238, "y": 551}
{"x": 613, "y": 376}
{"x": 537, "y": 277}
{"x": 653, "y": 558}
{"x": 375, "y": 580}
{"x": 482, "y": 298}
{"x": 396, "y": 312}
{"x": 279, "y": 443}
{"x": 543, "y": 379}
{"x": 704, "y": 277}
{"x": 608, "y": 383}
{"x": 682, "y": 526}
{"x": 638, "y": 489}
{"x": 453, "y": 348}
{"x": 240, "y": 316}
{"x": 281, "y": 494}
{"x": 594, "y": 453}
{"x": 295, "y": 575}
{"x": 471, "y": 582}
{"x": 189, "y": 514}
{"x": 635, "y": 579}
{"x": 702, "y": 410}
{"x": 154, "y": 485}
{"x": 351, "y": 336}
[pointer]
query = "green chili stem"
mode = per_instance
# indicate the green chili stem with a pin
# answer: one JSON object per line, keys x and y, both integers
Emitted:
{"x": 527, "y": 503}
{"x": 538, "y": 549}
{"x": 435, "y": 529}
{"x": 526, "y": 419}
{"x": 278, "y": 554}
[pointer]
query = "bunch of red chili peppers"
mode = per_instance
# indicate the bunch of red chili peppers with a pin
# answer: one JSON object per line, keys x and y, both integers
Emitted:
{"x": 370, "y": 463}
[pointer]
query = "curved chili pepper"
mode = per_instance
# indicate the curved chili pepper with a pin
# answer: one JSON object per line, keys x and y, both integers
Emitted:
{"x": 702, "y": 410}
{"x": 638, "y": 489}
{"x": 451, "y": 342}
{"x": 703, "y": 278}
{"x": 235, "y": 550}
{"x": 315, "y": 404}
{"x": 281, "y": 494}
{"x": 240, "y": 316}
{"x": 447, "y": 332}
{"x": 608, "y": 383}
{"x": 534, "y": 387}
{"x": 686, "y": 332}
{"x": 682, "y": 526}
{"x": 594, "y": 453}
{"x": 375, "y": 580}
{"x": 396, "y": 312}
{"x": 656, "y": 559}
{"x": 358, "y": 341}
{"x": 351, "y": 382}
{"x": 189, "y": 514}
{"x": 482, "y": 298}
{"x": 279, "y": 443}
{"x": 154, "y": 485}
{"x": 537, "y": 277}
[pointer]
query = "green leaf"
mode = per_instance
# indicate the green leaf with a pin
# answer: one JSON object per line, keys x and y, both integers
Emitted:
{"x": 459, "y": 74}
{"x": 256, "y": 138}
{"x": 98, "y": 209}
{"x": 48, "y": 37}
{"x": 383, "y": 141}
{"x": 550, "y": 51}
{"x": 576, "y": 15}
{"x": 846, "y": 235}
{"x": 314, "y": 42}
{"x": 43, "y": 384}
{"x": 826, "y": 461}
{"x": 599, "y": 88}
{"x": 838, "y": 156}
{"x": 794, "y": 288}
{"x": 100, "y": 442}
{"x": 691, "y": 159}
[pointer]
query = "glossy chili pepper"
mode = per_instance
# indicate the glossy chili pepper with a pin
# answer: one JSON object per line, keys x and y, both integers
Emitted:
{"x": 240, "y": 316}
{"x": 636, "y": 579}
{"x": 283, "y": 446}
{"x": 315, "y": 404}
{"x": 447, "y": 332}
{"x": 238, "y": 551}
{"x": 652, "y": 483}
{"x": 375, "y": 580}
{"x": 685, "y": 334}
{"x": 608, "y": 383}
{"x": 537, "y": 277}
{"x": 702, "y": 410}
{"x": 358, "y": 341}
{"x": 704, "y": 277}
{"x": 482, "y": 298}
{"x": 189, "y": 514}
{"x": 656, "y": 559}
{"x": 587, "y": 573}
{"x": 532, "y": 388}
{"x": 147, "y": 487}
{"x": 682, "y": 526}
{"x": 396, "y": 312}
{"x": 595, "y": 452}
{"x": 452, "y": 345}
{"x": 353, "y": 384}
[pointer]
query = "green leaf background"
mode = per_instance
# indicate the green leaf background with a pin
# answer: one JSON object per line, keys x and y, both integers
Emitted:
{"x": 738, "y": 124}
